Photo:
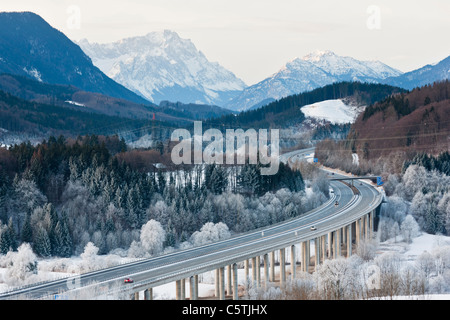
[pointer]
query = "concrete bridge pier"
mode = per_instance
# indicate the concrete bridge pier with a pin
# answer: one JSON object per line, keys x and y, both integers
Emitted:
{"x": 266, "y": 270}
{"x": 246, "y": 271}
{"x": 324, "y": 248}
{"x": 183, "y": 289}
{"x": 317, "y": 249}
{"x": 222, "y": 283}
{"x": 235, "y": 282}
{"x": 193, "y": 287}
{"x": 148, "y": 294}
{"x": 349, "y": 240}
{"x": 358, "y": 231}
{"x": 254, "y": 273}
{"x": 272, "y": 267}
{"x": 217, "y": 287}
{"x": 282, "y": 267}
{"x": 330, "y": 245}
{"x": 338, "y": 242}
{"x": 178, "y": 290}
{"x": 258, "y": 271}
{"x": 293, "y": 263}
{"x": 229, "y": 280}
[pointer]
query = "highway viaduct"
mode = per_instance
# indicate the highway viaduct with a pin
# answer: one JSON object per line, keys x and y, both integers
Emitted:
{"x": 342, "y": 241}
{"x": 356, "y": 221}
{"x": 334, "y": 230}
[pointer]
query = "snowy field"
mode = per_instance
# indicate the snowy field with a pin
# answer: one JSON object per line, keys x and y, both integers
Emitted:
{"x": 334, "y": 111}
{"x": 409, "y": 252}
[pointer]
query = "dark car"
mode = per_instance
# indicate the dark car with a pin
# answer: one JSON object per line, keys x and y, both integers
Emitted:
{"x": 336, "y": 204}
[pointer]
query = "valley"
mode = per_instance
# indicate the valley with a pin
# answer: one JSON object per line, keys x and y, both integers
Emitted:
{"x": 142, "y": 159}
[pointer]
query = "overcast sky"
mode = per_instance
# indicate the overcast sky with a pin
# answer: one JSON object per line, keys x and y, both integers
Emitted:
{"x": 255, "y": 38}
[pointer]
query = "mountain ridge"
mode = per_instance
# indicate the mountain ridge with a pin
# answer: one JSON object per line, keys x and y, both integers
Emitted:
{"x": 31, "y": 47}
{"x": 422, "y": 76}
{"x": 312, "y": 71}
{"x": 163, "y": 66}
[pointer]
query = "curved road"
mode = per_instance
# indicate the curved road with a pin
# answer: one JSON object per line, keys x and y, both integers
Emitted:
{"x": 163, "y": 269}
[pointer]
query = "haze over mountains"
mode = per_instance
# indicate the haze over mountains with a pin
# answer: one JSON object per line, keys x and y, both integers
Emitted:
{"x": 161, "y": 66}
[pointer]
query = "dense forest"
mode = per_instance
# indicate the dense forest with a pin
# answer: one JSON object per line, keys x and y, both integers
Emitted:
{"x": 286, "y": 111}
{"x": 411, "y": 122}
{"x": 18, "y": 115}
{"x": 402, "y": 138}
{"x": 63, "y": 193}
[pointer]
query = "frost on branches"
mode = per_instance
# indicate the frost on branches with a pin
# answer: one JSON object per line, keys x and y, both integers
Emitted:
{"x": 21, "y": 266}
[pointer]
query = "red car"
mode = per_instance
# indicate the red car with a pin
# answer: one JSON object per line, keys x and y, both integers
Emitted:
{"x": 128, "y": 280}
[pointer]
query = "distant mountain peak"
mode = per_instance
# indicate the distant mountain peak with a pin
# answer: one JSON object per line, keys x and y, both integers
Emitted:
{"x": 313, "y": 70}
{"x": 163, "y": 66}
{"x": 426, "y": 75}
{"x": 317, "y": 55}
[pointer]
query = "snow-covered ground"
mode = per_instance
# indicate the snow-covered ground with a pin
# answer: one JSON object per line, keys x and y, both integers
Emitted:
{"x": 52, "y": 268}
{"x": 75, "y": 103}
{"x": 420, "y": 244}
{"x": 334, "y": 111}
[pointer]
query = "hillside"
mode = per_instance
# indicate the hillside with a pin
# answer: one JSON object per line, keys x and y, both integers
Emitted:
{"x": 312, "y": 71}
{"x": 286, "y": 111}
{"x": 80, "y": 100}
{"x": 30, "y": 47}
{"x": 413, "y": 122}
{"x": 422, "y": 76}
{"x": 26, "y": 117}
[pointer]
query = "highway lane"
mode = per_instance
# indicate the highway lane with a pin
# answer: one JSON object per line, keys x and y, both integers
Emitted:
{"x": 182, "y": 264}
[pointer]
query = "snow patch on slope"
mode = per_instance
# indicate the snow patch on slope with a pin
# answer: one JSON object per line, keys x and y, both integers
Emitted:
{"x": 334, "y": 111}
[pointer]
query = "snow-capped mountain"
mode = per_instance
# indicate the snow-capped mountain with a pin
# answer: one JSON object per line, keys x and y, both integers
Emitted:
{"x": 422, "y": 76}
{"x": 312, "y": 71}
{"x": 162, "y": 66}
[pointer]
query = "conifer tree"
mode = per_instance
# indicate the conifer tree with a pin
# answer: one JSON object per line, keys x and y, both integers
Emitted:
{"x": 42, "y": 245}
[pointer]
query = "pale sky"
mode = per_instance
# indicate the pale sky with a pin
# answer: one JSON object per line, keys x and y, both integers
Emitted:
{"x": 255, "y": 38}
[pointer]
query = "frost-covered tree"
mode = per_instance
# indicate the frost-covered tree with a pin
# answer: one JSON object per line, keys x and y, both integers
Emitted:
{"x": 338, "y": 279}
{"x": 366, "y": 249}
{"x": 413, "y": 180}
{"x": 22, "y": 199}
{"x": 209, "y": 233}
{"x": 159, "y": 211}
{"x": 151, "y": 240}
{"x": 152, "y": 237}
{"x": 90, "y": 257}
{"x": 443, "y": 207}
{"x": 390, "y": 264}
{"x": 424, "y": 207}
{"x": 395, "y": 208}
{"x": 21, "y": 265}
{"x": 425, "y": 263}
{"x": 409, "y": 228}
